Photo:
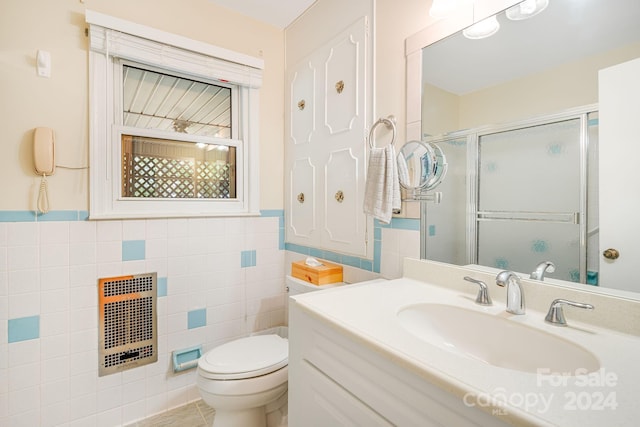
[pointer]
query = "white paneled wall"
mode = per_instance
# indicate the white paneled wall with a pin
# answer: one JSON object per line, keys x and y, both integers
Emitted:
{"x": 231, "y": 267}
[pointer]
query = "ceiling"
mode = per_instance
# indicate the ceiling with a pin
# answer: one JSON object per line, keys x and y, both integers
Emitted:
{"x": 279, "y": 13}
{"x": 566, "y": 31}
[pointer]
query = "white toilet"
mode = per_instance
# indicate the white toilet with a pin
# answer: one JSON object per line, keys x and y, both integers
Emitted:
{"x": 245, "y": 381}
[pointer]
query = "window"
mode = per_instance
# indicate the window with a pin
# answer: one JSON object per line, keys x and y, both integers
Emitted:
{"x": 174, "y": 125}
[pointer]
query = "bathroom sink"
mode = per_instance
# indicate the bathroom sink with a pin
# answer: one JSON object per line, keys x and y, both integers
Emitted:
{"x": 496, "y": 340}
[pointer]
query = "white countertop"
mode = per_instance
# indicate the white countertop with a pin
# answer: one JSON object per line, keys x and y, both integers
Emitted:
{"x": 609, "y": 396}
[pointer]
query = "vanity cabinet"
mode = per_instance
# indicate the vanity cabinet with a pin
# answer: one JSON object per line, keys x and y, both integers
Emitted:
{"x": 326, "y": 128}
{"x": 337, "y": 379}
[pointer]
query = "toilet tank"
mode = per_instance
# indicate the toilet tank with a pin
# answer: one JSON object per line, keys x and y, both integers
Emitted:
{"x": 296, "y": 286}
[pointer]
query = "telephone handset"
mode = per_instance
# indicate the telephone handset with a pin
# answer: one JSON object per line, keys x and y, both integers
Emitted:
{"x": 44, "y": 151}
{"x": 44, "y": 156}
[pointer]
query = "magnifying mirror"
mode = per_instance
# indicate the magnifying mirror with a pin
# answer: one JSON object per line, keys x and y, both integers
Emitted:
{"x": 421, "y": 166}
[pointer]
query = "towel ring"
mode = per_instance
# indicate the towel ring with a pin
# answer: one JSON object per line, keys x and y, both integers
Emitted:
{"x": 389, "y": 122}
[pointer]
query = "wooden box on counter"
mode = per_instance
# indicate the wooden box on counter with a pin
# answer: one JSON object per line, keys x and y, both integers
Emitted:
{"x": 321, "y": 275}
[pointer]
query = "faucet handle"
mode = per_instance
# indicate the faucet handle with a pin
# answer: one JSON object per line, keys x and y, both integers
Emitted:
{"x": 483, "y": 297}
{"x": 555, "y": 315}
{"x": 541, "y": 269}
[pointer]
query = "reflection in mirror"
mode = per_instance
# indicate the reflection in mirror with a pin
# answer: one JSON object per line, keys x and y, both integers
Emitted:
{"x": 516, "y": 115}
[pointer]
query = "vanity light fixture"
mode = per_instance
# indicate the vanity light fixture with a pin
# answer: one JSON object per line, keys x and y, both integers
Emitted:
{"x": 480, "y": 30}
{"x": 527, "y": 9}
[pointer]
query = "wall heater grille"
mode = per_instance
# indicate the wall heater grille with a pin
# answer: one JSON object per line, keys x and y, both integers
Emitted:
{"x": 127, "y": 322}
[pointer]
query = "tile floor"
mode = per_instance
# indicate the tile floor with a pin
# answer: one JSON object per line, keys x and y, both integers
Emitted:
{"x": 195, "y": 414}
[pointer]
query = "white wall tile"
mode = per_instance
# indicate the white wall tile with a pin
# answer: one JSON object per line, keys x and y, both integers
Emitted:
{"x": 54, "y": 278}
{"x": 54, "y": 415}
{"x": 83, "y": 275}
{"x": 134, "y": 229}
{"x": 83, "y": 319}
{"x": 3, "y": 233}
{"x": 3, "y": 258}
{"x": 109, "y": 398}
{"x": 108, "y": 231}
{"x": 23, "y": 305}
{"x": 82, "y": 232}
{"x": 24, "y": 400}
{"x": 110, "y": 418}
{"x": 134, "y": 410}
{"x": 134, "y": 391}
{"x": 156, "y": 248}
{"x": 25, "y": 419}
{"x": 22, "y": 257}
{"x": 82, "y": 383}
{"x": 24, "y": 376}
{"x": 23, "y": 281}
{"x": 54, "y": 346}
{"x": 54, "y": 392}
{"x": 56, "y": 369}
{"x": 81, "y": 343}
{"x": 54, "y": 255}
{"x": 83, "y": 362}
{"x": 82, "y": 254}
{"x": 53, "y": 232}
{"x": 177, "y": 228}
{"x": 83, "y": 297}
{"x": 133, "y": 267}
{"x": 82, "y": 406}
{"x": 156, "y": 229}
{"x": 54, "y": 301}
{"x": 108, "y": 252}
{"x": 22, "y": 234}
{"x": 53, "y": 324}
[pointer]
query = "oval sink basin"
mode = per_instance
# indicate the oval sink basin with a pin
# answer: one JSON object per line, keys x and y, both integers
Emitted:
{"x": 495, "y": 340}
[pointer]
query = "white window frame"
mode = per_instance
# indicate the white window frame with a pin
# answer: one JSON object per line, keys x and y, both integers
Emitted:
{"x": 113, "y": 40}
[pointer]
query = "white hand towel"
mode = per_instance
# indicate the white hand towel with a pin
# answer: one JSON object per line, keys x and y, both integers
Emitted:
{"x": 382, "y": 189}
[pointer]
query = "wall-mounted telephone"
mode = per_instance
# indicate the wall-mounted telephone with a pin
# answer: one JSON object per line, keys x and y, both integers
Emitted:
{"x": 44, "y": 160}
{"x": 44, "y": 151}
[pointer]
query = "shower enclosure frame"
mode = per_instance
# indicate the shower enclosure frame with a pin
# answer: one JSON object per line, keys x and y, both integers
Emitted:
{"x": 473, "y": 215}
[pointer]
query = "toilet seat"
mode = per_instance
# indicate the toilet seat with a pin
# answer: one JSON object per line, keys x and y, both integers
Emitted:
{"x": 245, "y": 358}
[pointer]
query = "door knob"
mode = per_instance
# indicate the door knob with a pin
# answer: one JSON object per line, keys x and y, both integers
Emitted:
{"x": 611, "y": 254}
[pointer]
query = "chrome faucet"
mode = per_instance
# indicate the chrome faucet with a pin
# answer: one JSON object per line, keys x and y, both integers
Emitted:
{"x": 515, "y": 294}
{"x": 541, "y": 269}
{"x": 555, "y": 316}
{"x": 483, "y": 297}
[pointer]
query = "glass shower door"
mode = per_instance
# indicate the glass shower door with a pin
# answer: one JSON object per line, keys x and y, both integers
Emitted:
{"x": 529, "y": 198}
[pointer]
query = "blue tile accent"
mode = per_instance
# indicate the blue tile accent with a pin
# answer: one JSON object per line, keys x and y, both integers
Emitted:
{"x": 405, "y": 224}
{"x": 31, "y": 216}
{"x": 133, "y": 250}
{"x": 59, "y": 216}
{"x": 351, "y": 261}
{"x": 24, "y": 328}
{"x": 432, "y": 230}
{"x": 248, "y": 259}
{"x": 594, "y": 122}
{"x": 272, "y": 213}
{"x": 296, "y": 248}
{"x": 316, "y": 253}
{"x": 366, "y": 264}
{"x": 197, "y": 318}
{"x": 277, "y": 213}
{"x": 17, "y": 216}
{"x": 377, "y": 233}
{"x": 162, "y": 286}
{"x": 377, "y": 255}
{"x": 333, "y": 257}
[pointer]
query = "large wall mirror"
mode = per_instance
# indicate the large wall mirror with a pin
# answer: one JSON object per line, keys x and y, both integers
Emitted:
{"x": 517, "y": 116}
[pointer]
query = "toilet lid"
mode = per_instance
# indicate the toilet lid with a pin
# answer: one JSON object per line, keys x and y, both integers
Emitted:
{"x": 245, "y": 358}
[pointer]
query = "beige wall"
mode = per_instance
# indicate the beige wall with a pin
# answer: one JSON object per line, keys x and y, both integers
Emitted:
{"x": 61, "y": 102}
